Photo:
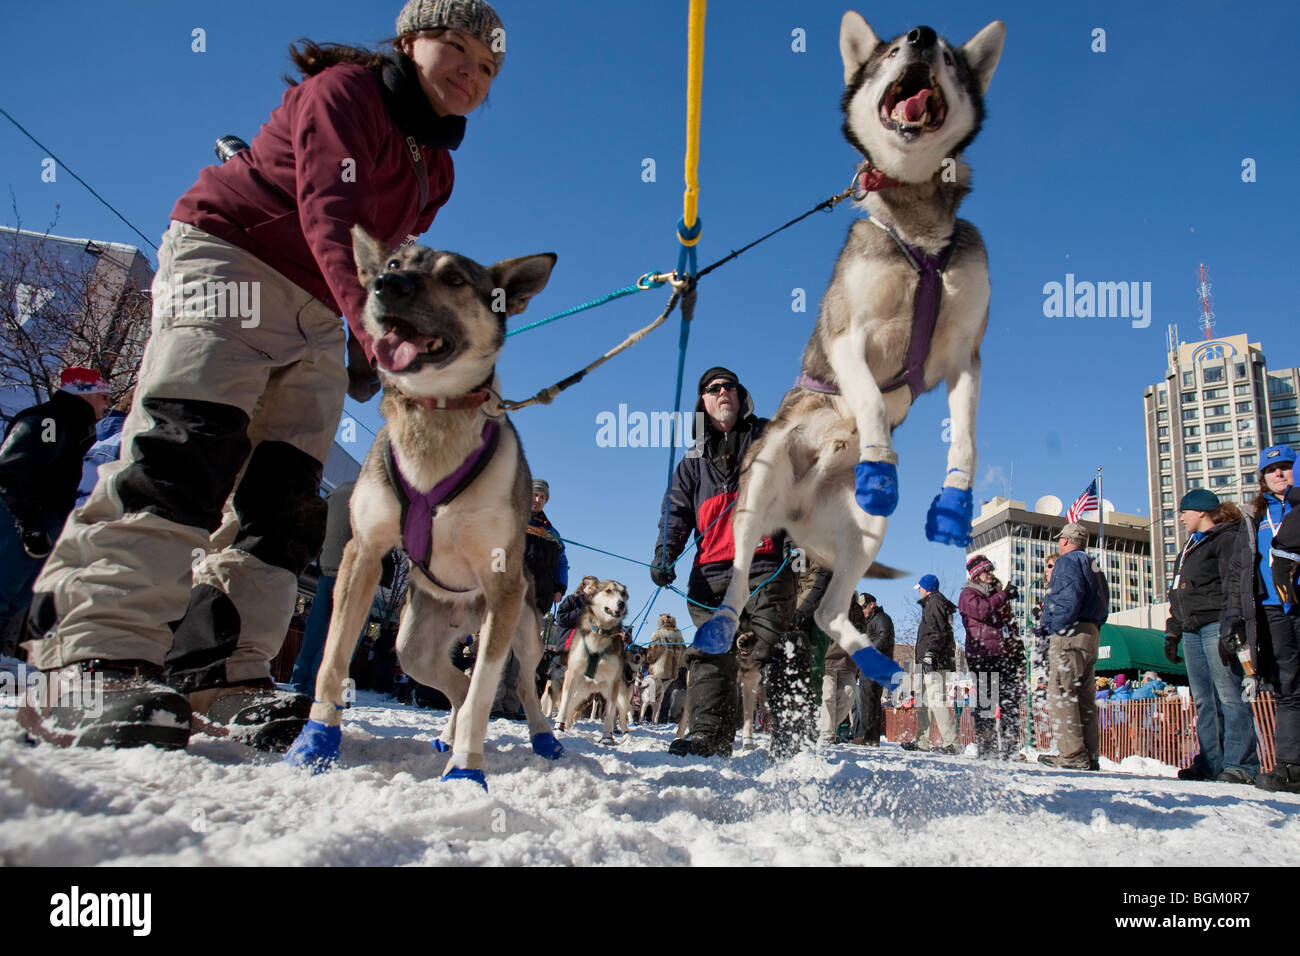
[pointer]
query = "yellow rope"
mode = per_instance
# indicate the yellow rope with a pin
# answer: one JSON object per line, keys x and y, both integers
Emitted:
{"x": 694, "y": 83}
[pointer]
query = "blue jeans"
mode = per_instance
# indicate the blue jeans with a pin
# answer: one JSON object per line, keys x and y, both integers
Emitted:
{"x": 309, "y": 656}
{"x": 1225, "y": 725}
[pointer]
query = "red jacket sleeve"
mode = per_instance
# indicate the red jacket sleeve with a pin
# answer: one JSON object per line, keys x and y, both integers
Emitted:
{"x": 342, "y": 117}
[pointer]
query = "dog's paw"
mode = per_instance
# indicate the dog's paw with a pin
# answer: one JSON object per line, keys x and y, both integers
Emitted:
{"x": 949, "y": 519}
{"x": 317, "y": 747}
{"x": 714, "y": 635}
{"x": 440, "y": 745}
{"x": 462, "y": 773}
{"x": 545, "y": 745}
{"x": 875, "y": 486}
{"x": 877, "y": 667}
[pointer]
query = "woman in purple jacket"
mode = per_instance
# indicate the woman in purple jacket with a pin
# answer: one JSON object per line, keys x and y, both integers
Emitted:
{"x": 996, "y": 655}
{"x": 240, "y": 392}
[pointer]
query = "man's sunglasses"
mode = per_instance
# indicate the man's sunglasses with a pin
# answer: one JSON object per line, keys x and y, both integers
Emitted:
{"x": 717, "y": 387}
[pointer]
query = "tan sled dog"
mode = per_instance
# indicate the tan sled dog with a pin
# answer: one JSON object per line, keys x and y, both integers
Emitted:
{"x": 596, "y": 659}
{"x": 906, "y": 309}
{"x": 447, "y": 482}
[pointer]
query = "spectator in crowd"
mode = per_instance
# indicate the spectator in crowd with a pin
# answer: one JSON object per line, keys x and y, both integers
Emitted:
{"x": 1225, "y": 726}
{"x": 40, "y": 466}
{"x": 1103, "y": 688}
{"x": 936, "y": 657}
{"x": 544, "y": 552}
{"x": 1123, "y": 689}
{"x": 1256, "y": 627}
{"x": 107, "y": 446}
{"x": 1150, "y": 688}
{"x": 1076, "y": 606}
{"x": 703, "y": 487}
{"x": 338, "y": 532}
{"x": 242, "y": 412}
{"x": 993, "y": 648}
{"x": 869, "y": 714}
{"x": 839, "y": 681}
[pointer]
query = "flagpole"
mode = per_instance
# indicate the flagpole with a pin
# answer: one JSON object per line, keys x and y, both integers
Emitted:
{"x": 1101, "y": 527}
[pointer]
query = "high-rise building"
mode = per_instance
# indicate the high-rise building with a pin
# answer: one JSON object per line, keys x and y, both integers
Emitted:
{"x": 1206, "y": 424}
{"x": 1018, "y": 541}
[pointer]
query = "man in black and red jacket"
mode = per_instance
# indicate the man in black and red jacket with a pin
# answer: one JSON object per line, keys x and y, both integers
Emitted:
{"x": 703, "y": 487}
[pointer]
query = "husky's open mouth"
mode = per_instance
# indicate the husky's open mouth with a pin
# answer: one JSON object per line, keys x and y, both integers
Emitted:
{"x": 402, "y": 348}
{"x": 914, "y": 102}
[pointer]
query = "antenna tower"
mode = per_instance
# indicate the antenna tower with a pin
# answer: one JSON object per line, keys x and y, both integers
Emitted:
{"x": 1206, "y": 320}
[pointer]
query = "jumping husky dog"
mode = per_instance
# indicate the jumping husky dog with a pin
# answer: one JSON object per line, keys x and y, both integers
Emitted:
{"x": 906, "y": 309}
{"x": 596, "y": 660}
{"x": 446, "y": 482}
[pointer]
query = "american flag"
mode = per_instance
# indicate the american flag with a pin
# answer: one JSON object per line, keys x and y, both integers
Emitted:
{"x": 1083, "y": 504}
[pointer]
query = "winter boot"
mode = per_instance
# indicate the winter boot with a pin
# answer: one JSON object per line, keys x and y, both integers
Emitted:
{"x": 255, "y": 713}
{"x": 788, "y": 674}
{"x": 711, "y": 692}
{"x": 105, "y": 704}
{"x": 1284, "y": 778}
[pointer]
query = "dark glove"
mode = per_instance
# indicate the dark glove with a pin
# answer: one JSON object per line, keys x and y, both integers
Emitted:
{"x": 1012, "y": 592}
{"x": 1037, "y": 611}
{"x": 363, "y": 381}
{"x": 661, "y": 571}
{"x": 1230, "y": 640}
{"x": 36, "y": 542}
{"x": 1171, "y": 648}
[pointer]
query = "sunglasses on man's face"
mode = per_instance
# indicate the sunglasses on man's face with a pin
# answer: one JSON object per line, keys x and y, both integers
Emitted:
{"x": 718, "y": 387}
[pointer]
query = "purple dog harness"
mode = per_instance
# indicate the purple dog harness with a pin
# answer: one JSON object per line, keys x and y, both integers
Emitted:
{"x": 925, "y": 316}
{"x": 418, "y": 507}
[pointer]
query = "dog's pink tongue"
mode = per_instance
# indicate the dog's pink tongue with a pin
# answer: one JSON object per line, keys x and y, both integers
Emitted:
{"x": 395, "y": 353}
{"x": 914, "y": 107}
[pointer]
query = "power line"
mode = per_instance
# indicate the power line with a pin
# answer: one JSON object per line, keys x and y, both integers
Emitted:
{"x": 49, "y": 152}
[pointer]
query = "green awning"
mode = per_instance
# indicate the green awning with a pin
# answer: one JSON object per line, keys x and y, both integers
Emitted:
{"x": 1134, "y": 648}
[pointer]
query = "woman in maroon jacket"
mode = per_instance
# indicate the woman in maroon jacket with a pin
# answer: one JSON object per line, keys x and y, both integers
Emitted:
{"x": 240, "y": 391}
{"x": 996, "y": 655}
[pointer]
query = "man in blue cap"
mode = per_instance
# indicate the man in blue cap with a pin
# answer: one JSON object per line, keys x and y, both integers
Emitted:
{"x": 1074, "y": 610}
{"x": 936, "y": 655}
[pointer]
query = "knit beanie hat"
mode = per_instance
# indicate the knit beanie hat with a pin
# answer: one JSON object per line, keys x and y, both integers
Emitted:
{"x": 720, "y": 372}
{"x": 1199, "y": 499}
{"x": 977, "y": 565}
{"x": 542, "y": 486}
{"x": 83, "y": 381}
{"x": 474, "y": 17}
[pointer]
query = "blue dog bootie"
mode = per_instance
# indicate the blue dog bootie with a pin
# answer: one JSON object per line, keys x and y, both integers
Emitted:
{"x": 875, "y": 486}
{"x": 440, "y": 745}
{"x": 714, "y": 636}
{"x": 317, "y": 747}
{"x": 545, "y": 745}
{"x": 462, "y": 773}
{"x": 950, "y": 516}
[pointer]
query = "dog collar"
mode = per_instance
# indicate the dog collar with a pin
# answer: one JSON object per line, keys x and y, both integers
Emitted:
{"x": 871, "y": 180}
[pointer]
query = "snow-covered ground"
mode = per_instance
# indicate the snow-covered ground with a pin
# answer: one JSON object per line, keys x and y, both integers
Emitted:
{"x": 222, "y": 803}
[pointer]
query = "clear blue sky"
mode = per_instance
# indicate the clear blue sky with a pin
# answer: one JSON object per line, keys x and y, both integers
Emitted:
{"x": 1115, "y": 166}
